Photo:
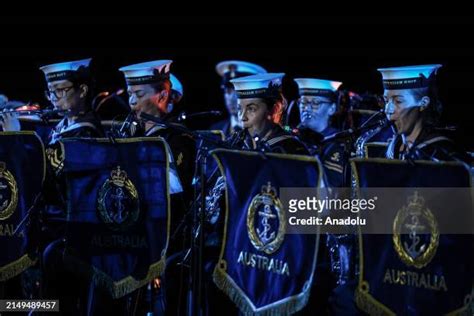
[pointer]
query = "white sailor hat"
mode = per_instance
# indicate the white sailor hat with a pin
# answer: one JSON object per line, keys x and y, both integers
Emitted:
{"x": 176, "y": 84}
{"x": 148, "y": 72}
{"x": 408, "y": 77}
{"x": 64, "y": 70}
{"x": 231, "y": 69}
{"x": 258, "y": 86}
{"x": 317, "y": 87}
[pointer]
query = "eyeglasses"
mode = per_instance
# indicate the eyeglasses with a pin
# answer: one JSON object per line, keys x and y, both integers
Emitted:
{"x": 58, "y": 93}
{"x": 312, "y": 104}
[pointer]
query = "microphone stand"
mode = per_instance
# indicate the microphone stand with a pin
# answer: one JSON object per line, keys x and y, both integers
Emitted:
{"x": 195, "y": 292}
{"x": 183, "y": 116}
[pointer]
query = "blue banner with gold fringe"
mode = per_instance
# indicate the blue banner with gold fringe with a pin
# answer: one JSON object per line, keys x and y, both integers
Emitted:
{"x": 118, "y": 210}
{"x": 263, "y": 270}
{"x": 415, "y": 270}
{"x": 22, "y": 172}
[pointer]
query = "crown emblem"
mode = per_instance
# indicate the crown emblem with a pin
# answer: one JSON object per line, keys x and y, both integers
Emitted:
{"x": 266, "y": 224}
{"x": 415, "y": 232}
{"x": 118, "y": 177}
{"x": 268, "y": 192}
{"x": 415, "y": 204}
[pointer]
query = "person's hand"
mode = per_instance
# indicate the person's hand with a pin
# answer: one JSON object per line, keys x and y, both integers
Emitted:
{"x": 9, "y": 122}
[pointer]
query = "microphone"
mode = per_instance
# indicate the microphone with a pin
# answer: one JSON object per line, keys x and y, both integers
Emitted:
{"x": 184, "y": 116}
{"x": 377, "y": 113}
{"x": 107, "y": 96}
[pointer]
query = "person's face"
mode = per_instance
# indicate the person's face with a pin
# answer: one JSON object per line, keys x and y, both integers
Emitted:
{"x": 253, "y": 113}
{"x": 65, "y": 96}
{"x": 144, "y": 98}
{"x": 231, "y": 101}
{"x": 315, "y": 109}
{"x": 402, "y": 108}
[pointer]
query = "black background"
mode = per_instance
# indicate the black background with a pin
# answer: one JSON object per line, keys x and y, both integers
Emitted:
{"x": 338, "y": 48}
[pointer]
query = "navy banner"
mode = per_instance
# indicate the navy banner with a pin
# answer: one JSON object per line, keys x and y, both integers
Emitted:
{"x": 261, "y": 268}
{"x": 22, "y": 172}
{"x": 118, "y": 210}
{"x": 416, "y": 270}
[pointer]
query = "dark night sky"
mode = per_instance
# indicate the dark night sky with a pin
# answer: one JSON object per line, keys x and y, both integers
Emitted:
{"x": 323, "y": 50}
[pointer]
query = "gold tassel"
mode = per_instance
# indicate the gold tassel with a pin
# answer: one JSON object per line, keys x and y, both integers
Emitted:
{"x": 370, "y": 305}
{"x": 116, "y": 289}
{"x": 290, "y": 306}
{"x": 16, "y": 267}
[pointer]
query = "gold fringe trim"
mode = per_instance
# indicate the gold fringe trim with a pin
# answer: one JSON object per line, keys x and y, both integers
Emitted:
{"x": 467, "y": 309}
{"x": 116, "y": 289}
{"x": 286, "y": 306}
{"x": 16, "y": 267}
{"x": 370, "y": 305}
